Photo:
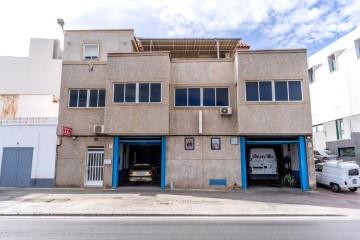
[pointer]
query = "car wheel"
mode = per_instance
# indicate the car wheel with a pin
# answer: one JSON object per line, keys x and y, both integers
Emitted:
{"x": 335, "y": 187}
{"x": 353, "y": 189}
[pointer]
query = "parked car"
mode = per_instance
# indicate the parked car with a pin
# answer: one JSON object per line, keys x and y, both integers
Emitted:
{"x": 141, "y": 173}
{"x": 338, "y": 175}
{"x": 323, "y": 155}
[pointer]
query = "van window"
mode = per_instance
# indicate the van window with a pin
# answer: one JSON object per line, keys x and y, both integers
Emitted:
{"x": 353, "y": 172}
{"x": 319, "y": 168}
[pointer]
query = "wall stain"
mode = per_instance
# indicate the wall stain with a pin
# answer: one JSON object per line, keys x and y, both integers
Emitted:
{"x": 10, "y": 106}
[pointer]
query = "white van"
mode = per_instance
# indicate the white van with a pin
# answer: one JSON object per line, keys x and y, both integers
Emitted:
{"x": 263, "y": 163}
{"x": 338, "y": 175}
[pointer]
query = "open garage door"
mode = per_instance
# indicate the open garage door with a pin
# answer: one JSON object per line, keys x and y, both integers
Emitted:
{"x": 141, "y": 161}
{"x": 274, "y": 162}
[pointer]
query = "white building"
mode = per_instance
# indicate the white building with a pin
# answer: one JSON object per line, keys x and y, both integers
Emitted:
{"x": 29, "y": 92}
{"x": 334, "y": 75}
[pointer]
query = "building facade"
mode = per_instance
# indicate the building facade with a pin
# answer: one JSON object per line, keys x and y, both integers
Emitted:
{"x": 190, "y": 108}
{"x": 29, "y": 93}
{"x": 334, "y": 83}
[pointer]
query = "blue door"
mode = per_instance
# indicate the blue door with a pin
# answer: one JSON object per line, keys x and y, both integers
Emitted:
{"x": 16, "y": 167}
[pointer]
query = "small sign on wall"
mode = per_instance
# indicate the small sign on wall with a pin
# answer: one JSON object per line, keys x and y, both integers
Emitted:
{"x": 107, "y": 161}
{"x": 215, "y": 143}
{"x": 233, "y": 140}
{"x": 189, "y": 143}
{"x": 66, "y": 131}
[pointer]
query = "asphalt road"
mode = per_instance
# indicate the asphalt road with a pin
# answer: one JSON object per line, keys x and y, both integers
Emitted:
{"x": 206, "y": 228}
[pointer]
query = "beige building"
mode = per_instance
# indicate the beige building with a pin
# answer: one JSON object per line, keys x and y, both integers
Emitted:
{"x": 195, "y": 110}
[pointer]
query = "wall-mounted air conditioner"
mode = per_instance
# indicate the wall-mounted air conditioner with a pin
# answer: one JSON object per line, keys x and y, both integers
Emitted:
{"x": 98, "y": 129}
{"x": 225, "y": 110}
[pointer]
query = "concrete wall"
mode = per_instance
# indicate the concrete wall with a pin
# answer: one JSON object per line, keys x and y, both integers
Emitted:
{"x": 40, "y": 73}
{"x": 137, "y": 118}
{"x": 71, "y": 160}
{"x": 194, "y": 168}
{"x": 108, "y": 40}
{"x": 276, "y": 118}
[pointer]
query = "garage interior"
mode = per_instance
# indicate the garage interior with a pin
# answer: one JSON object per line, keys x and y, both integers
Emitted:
{"x": 139, "y": 151}
{"x": 287, "y": 162}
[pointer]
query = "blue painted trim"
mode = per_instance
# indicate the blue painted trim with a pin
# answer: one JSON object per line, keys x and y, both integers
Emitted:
{"x": 143, "y": 137}
{"x": 140, "y": 141}
{"x": 243, "y": 162}
{"x": 217, "y": 182}
{"x": 304, "y": 179}
{"x": 264, "y": 142}
{"x": 163, "y": 161}
{"x": 115, "y": 172}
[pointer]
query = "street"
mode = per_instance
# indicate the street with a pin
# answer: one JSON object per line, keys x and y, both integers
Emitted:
{"x": 149, "y": 228}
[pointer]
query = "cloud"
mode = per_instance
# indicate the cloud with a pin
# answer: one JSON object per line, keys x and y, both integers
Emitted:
{"x": 267, "y": 23}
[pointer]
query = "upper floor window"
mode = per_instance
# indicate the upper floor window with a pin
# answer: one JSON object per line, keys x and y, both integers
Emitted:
{"x": 318, "y": 128}
{"x": 196, "y": 97}
{"x": 311, "y": 74}
{"x": 357, "y": 48}
{"x": 273, "y": 91}
{"x": 137, "y": 92}
{"x": 332, "y": 63}
{"x": 340, "y": 129}
{"x": 91, "y": 51}
{"x": 82, "y": 98}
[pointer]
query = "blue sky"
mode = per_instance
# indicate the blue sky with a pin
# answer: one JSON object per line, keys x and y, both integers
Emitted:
{"x": 264, "y": 24}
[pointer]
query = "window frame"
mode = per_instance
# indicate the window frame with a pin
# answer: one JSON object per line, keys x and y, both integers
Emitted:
{"x": 343, "y": 149}
{"x": 88, "y": 94}
{"x": 202, "y": 96}
{"x": 273, "y": 91}
{"x": 92, "y": 58}
{"x": 332, "y": 62}
{"x": 137, "y": 93}
{"x": 340, "y": 131}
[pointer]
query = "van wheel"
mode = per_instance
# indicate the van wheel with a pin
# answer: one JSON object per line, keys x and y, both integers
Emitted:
{"x": 335, "y": 187}
{"x": 353, "y": 189}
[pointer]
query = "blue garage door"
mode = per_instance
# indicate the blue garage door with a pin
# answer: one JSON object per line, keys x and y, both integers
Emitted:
{"x": 16, "y": 167}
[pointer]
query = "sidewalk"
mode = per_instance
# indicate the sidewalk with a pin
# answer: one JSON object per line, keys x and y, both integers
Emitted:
{"x": 142, "y": 201}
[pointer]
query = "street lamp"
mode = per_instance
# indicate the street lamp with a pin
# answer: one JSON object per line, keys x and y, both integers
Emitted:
{"x": 61, "y": 23}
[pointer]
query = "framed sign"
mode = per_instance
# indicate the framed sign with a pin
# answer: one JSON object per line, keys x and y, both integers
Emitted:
{"x": 233, "y": 140}
{"x": 189, "y": 143}
{"x": 215, "y": 143}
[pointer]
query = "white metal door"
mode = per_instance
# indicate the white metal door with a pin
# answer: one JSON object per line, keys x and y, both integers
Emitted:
{"x": 95, "y": 167}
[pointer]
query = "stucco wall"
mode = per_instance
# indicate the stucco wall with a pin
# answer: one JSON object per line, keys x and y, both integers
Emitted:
{"x": 276, "y": 118}
{"x": 71, "y": 160}
{"x": 194, "y": 168}
{"x": 108, "y": 40}
{"x": 138, "y": 118}
{"x": 78, "y": 76}
{"x": 202, "y": 73}
{"x": 39, "y": 73}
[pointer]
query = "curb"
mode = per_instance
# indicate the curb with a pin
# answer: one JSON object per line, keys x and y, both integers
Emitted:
{"x": 160, "y": 215}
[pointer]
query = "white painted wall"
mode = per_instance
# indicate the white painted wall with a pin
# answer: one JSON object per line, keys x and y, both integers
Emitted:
{"x": 41, "y": 138}
{"x": 336, "y": 95}
{"x": 39, "y": 73}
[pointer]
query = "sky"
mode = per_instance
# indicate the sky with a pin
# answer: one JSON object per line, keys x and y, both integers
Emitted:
{"x": 264, "y": 24}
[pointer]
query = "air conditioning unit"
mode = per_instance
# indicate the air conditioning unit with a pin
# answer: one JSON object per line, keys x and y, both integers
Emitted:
{"x": 98, "y": 129}
{"x": 225, "y": 110}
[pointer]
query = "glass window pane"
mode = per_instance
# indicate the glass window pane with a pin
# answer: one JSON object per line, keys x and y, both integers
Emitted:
{"x": 194, "y": 96}
{"x": 265, "y": 91}
{"x": 82, "y": 98}
{"x": 222, "y": 97}
{"x": 73, "y": 98}
{"x": 130, "y": 92}
{"x": 155, "y": 92}
{"x": 93, "y": 98}
{"x": 209, "y": 96}
{"x": 144, "y": 92}
{"x": 295, "y": 91}
{"x": 101, "y": 98}
{"x": 281, "y": 93}
{"x": 181, "y": 97}
{"x": 252, "y": 93}
{"x": 118, "y": 93}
